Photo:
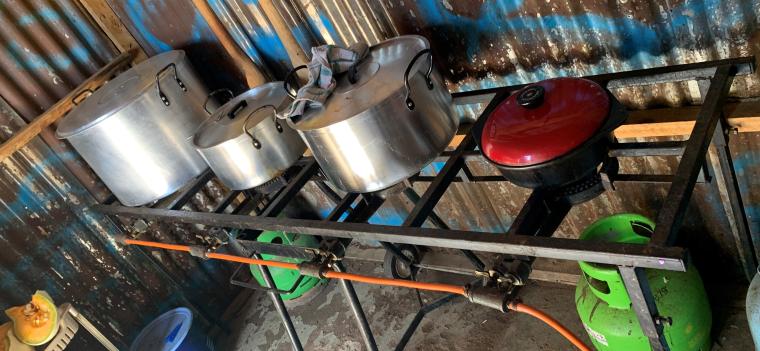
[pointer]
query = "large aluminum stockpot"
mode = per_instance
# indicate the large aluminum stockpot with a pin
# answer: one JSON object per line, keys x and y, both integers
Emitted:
{"x": 383, "y": 128}
{"x": 244, "y": 142}
{"x": 135, "y": 130}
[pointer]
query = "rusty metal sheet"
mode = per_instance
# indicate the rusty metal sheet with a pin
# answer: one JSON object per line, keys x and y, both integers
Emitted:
{"x": 50, "y": 240}
{"x": 484, "y": 44}
{"x": 164, "y": 25}
{"x": 494, "y": 43}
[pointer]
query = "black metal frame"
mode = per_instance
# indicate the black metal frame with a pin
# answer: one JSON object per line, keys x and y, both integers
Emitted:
{"x": 530, "y": 235}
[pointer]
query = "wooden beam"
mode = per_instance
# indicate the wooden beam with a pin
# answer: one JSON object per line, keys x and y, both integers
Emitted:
{"x": 743, "y": 117}
{"x": 63, "y": 106}
{"x": 112, "y": 26}
{"x": 297, "y": 56}
{"x": 253, "y": 75}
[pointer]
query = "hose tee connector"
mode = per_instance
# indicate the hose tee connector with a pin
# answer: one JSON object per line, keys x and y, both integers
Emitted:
{"x": 312, "y": 269}
{"x": 489, "y": 296}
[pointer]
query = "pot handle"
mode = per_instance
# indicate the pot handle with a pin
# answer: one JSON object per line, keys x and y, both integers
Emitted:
{"x": 287, "y": 79}
{"x": 256, "y": 142}
{"x": 181, "y": 84}
{"x": 236, "y": 109}
{"x": 428, "y": 81}
{"x": 214, "y": 93}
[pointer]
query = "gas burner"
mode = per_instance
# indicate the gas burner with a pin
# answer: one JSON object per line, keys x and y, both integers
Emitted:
{"x": 582, "y": 190}
{"x": 272, "y": 185}
{"x": 588, "y": 187}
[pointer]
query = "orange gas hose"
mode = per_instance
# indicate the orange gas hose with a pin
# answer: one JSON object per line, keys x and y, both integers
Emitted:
{"x": 447, "y": 288}
{"x": 246, "y": 260}
{"x": 174, "y": 247}
{"x": 519, "y": 307}
{"x": 454, "y": 289}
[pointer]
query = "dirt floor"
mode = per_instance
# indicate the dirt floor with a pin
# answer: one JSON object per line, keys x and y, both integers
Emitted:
{"x": 324, "y": 321}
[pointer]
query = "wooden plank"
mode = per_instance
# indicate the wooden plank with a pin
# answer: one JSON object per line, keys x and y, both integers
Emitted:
{"x": 253, "y": 75}
{"x": 112, "y": 26}
{"x": 743, "y": 117}
{"x": 297, "y": 56}
{"x": 54, "y": 113}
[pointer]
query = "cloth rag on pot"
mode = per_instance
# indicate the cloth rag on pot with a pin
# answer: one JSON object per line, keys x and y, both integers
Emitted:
{"x": 326, "y": 62}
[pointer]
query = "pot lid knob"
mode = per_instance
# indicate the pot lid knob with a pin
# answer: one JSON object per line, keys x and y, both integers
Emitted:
{"x": 531, "y": 96}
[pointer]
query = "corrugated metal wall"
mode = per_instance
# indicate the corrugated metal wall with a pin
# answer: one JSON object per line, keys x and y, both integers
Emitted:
{"x": 161, "y": 26}
{"x": 483, "y": 44}
{"x": 48, "y": 237}
{"x": 49, "y": 46}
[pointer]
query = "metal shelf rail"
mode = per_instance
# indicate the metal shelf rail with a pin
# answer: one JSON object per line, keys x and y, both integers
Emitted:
{"x": 531, "y": 233}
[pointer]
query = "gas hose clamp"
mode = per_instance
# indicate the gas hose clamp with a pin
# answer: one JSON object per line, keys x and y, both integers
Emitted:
{"x": 199, "y": 251}
{"x": 314, "y": 268}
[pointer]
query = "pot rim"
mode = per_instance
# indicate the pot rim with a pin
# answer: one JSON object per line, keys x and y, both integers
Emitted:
{"x": 179, "y": 57}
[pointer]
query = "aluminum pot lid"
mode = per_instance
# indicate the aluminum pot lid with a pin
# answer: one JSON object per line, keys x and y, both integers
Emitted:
{"x": 226, "y": 123}
{"x": 380, "y": 74}
{"x": 544, "y": 121}
{"x": 118, "y": 93}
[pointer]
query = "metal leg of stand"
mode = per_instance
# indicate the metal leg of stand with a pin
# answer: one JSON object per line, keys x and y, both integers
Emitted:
{"x": 412, "y": 195}
{"x": 418, "y": 319}
{"x": 643, "y": 304}
{"x": 741, "y": 235}
{"x": 279, "y": 305}
{"x": 356, "y": 308}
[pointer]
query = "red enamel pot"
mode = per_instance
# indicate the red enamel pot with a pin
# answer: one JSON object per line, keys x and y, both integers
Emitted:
{"x": 551, "y": 134}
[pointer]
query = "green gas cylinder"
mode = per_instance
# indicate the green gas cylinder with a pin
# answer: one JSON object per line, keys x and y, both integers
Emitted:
{"x": 605, "y": 308}
{"x": 285, "y": 278}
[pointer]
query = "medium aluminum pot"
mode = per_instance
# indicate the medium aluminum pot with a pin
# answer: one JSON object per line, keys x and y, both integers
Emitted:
{"x": 135, "y": 130}
{"x": 244, "y": 142}
{"x": 391, "y": 122}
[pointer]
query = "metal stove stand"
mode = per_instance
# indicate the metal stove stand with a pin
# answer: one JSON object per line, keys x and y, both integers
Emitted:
{"x": 531, "y": 233}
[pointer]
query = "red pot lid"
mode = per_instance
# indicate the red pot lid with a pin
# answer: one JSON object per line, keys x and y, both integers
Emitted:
{"x": 544, "y": 121}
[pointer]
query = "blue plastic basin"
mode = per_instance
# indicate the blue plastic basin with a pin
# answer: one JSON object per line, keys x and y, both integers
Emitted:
{"x": 172, "y": 331}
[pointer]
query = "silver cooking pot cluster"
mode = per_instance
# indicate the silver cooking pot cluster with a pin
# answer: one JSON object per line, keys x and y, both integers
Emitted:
{"x": 147, "y": 132}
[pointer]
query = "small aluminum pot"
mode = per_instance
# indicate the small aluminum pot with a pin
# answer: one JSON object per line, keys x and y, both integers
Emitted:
{"x": 243, "y": 141}
{"x": 134, "y": 131}
{"x": 384, "y": 123}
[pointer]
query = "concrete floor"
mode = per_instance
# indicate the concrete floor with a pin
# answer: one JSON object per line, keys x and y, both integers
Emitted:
{"x": 325, "y": 322}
